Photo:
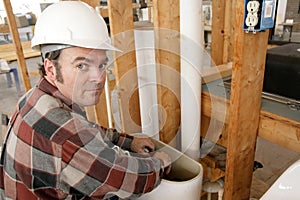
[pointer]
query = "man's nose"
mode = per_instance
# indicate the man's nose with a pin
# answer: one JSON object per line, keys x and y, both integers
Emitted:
{"x": 98, "y": 74}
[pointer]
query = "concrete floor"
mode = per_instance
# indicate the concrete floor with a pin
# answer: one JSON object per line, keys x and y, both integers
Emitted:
{"x": 274, "y": 158}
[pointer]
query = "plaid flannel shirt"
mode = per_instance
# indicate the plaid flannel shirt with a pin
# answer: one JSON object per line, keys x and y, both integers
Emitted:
{"x": 53, "y": 152}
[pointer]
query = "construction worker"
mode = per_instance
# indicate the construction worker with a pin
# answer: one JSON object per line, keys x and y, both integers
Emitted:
{"x": 51, "y": 150}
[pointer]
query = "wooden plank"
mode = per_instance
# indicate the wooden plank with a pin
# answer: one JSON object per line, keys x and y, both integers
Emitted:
{"x": 211, "y": 172}
{"x": 17, "y": 43}
{"x": 272, "y": 127}
{"x": 167, "y": 45}
{"x": 228, "y": 31}
{"x": 121, "y": 27}
{"x": 8, "y": 52}
{"x": 217, "y": 46}
{"x": 280, "y": 130}
{"x": 214, "y": 73}
{"x": 247, "y": 80}
{"x": 103, "y": 11}
{"x": 93, "y": 3}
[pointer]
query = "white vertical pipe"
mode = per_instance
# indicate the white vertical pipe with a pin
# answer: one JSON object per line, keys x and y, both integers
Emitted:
{"x": 191, "y": 48}
{"x": 146, "y": 69}
{"x": 108, "y": 106}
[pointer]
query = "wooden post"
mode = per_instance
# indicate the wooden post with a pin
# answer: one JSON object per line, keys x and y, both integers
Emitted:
{"x": 122, "y": 32}
{"x": 217, "y": 46}
{"x": 245, "y": 101}
{"x": 17, "y": 43}
{"x": 228, "y": 31}
{"x": 167, "y": 45}
{"x": 93, "y": 3}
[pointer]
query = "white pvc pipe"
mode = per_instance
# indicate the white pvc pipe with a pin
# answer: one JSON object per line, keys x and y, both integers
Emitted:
{"x": 108, "y": 106}
{"x": 191, "y": 48}
{"x": 146, "y": 69}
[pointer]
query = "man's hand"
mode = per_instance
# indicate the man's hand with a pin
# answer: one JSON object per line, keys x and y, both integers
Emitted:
{"x": 166, "y": 160}
{"x": 142, "y": 145}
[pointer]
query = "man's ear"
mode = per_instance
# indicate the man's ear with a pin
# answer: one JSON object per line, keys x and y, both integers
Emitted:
{"x": 50, "y": 69}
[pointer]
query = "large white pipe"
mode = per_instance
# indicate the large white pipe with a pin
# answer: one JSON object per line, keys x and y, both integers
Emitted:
{"x": 191, "y": 48}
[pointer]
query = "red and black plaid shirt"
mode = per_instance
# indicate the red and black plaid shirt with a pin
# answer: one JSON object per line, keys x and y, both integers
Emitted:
{"x": 53, "y": 152}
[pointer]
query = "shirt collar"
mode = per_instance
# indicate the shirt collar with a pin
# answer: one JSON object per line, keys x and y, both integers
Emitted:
{"x": 50, "y": 89}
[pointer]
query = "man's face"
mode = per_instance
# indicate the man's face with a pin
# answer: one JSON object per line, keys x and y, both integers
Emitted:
{"x": 83, "y": 72}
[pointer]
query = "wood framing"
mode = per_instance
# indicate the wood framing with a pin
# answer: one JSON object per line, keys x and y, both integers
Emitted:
{"x": 280, "y": 130}
{"x": 272, "y": 127}
{"x": 245, "y": 103}
{"x": 7, "y": 51}
{"x": 228, "y": 31}
{"x": 93, "y": 3}
{"x": 167, "y": 45}
{"x": 17, "y": 43}
{"x": 222, "y": 31}
{"x": 122, "y": 32}
{"x": 218, "y": 21}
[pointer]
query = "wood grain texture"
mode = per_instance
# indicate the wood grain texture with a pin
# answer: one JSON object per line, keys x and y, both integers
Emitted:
{"x": 8, "y": 52}
{"x": 93, "y": 3}
{"x": 17, "y": 44}
{"x": 245, "y": 101}
{"x": 218, "y": 23}
{"x": 121, "y": 28}
{"x": 167, "y": 45}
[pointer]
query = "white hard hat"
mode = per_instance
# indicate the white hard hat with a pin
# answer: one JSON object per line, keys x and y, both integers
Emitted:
{"x": 71, "y": 23}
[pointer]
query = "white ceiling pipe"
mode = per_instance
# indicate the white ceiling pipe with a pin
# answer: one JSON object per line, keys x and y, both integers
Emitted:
{"x": 191, "y": 48}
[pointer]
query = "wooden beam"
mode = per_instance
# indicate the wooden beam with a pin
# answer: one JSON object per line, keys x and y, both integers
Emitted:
{"x": 218, "y": 20}
{"x": 122, "y": 32}
{"x": 228, "y": 31}
{"x": 245, "y": 102}
{"x": 167, "y": 45}
{"x": 272, "y": 127}
{"x": 7, "y": 51}
{"x": 280, "y": 130}
{"x": 214, "y": 73}
{"x": 93, "y": 3}
{"x": 17, "y": 43}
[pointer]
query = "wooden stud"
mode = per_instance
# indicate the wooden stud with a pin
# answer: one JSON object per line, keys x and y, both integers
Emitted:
{"x": 93, "y": 3}
{"x": 272, "y": 127}
{"x": 7, "y": 51}
{"x": 247, "y": 80}
{"x": 217, "y": 46}
{"x": 167, "y": 45}
{"x": 228, "y": 31}
{"x": 122, "y": 31}
{"x": 280, "y": 130}
{"x": 17, "y": 43}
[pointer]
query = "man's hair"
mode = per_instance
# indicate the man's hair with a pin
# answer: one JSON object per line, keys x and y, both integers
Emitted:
{"x": 53, "y": 56}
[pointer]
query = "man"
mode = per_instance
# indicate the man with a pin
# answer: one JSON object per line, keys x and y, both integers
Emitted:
{"x": 51, "y": 150}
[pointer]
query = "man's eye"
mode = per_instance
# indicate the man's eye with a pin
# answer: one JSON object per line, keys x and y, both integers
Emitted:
{"x": 82, "y": 66}
{"x": 102, "y": 66}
